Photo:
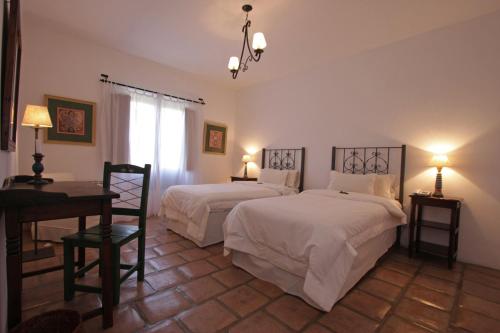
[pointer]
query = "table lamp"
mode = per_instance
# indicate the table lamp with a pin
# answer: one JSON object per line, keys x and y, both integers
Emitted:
{"x": 37, "y": 117}
{"x": 246, "y": 159}
{"x": 439, "y": 161}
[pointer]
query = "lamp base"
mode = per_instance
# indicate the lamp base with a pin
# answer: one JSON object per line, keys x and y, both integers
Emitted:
{"x": 37, "y": 168}
{"x": 437, "y": 195}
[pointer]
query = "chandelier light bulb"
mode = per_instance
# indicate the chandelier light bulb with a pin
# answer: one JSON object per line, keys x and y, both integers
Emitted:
{"x": 259, "y": 41}
{"x": 233, "y": 64}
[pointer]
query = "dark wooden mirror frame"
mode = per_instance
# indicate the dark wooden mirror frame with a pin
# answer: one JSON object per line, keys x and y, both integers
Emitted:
{"x": 11, "y": 69}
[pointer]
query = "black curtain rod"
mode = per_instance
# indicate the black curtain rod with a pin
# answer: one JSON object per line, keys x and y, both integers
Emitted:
{"x": 104, "y": 78}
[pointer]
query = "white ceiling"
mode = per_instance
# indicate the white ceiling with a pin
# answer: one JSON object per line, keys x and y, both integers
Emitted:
{"x": 199, "y": 35}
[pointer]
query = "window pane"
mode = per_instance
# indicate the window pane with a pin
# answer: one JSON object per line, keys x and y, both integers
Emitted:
{"x": 142, "y": 133}
{"x": 171, "y": 139}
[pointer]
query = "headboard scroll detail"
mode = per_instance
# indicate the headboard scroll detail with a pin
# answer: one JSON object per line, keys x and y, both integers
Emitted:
{"x": 285, "y": 159}
{"x": 364, "y": 160}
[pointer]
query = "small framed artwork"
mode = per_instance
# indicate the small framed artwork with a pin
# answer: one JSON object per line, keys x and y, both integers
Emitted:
{"x": 73, "y": 121}
{"x": 214, "y": 138}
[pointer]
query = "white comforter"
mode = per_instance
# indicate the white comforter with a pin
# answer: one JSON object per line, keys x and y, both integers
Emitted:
{"x": 191, "y": 204}
{"x": 313, "y": 235}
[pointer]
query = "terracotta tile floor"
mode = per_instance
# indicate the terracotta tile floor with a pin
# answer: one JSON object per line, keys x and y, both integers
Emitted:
{"x": 198, "y": 290}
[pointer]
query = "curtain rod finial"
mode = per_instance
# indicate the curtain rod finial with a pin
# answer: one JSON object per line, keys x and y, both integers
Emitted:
{"x": 104, "y": 76}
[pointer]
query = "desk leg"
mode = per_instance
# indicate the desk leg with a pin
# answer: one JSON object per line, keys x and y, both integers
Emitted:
{"x": 14, "y": 267}
{"x": 82, "y": 224}
{"x": 106, "y": 260}
{"x": 412, "y": 230}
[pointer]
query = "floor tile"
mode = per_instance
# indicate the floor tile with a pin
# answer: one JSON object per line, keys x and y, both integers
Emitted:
{"x": 485, "y": 279}
{"x": 221, "y": 261}
{"x": 187, "y": 244}
{"x": 168, "y": 248}
{"x": 208, "y": 317}
{"x": 168, "y": 238}
{"x": 400, "y": 267}
{"x": 165, "y": 279}
{"x": 292, "y": 311}
{"x": 194, "y": 254}
{"x": 395, "y": 324}
{"x": 162, "y": 306}
{"x": 168, "y": 326}
{"x": 484, "y": 270}
{"x": 232, "y": 277}
{"x": 196, "y": 269}
{"x": 267, "y": 288}
{"x": 481, "y": 291}
{"x": 202, "y": 289}
{"x": 423, "y": 314}
{"x": 216, "y": 248}
{"x": 379, "y": 288}
{"x": 475, "y": 322}
{"x": 243, "y": 300}
{"x": 343, "y": 320}
{"x": 441, "y": 273}
{"x": 430, "y": 297}
{"x": 315, "y": 328}
{"x": 480, "y": 306}
{"x": 132, "y": 290}
{"x": 391, "y": 276}
{"x": 125, "y": 320}
{"x": 166, "y": 262}
{"x": 436, "y": 284}
{"x": 371, "y": 306}
{"x": 259, "y": 322}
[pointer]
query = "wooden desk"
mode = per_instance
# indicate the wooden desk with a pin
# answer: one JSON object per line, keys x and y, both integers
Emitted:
{"x": 24, "y": 203}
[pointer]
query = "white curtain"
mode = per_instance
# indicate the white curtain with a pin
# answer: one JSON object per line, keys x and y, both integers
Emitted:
{"x": 142, "y": 128}
{"x": 113, "y": 125}
{"x": 158, "y": 136}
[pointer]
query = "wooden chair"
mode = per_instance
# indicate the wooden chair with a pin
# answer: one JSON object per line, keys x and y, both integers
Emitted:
{"x": 128, "y": 184}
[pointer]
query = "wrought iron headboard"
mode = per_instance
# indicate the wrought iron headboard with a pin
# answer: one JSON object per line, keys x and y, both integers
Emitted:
{"x": 363, "y": 160}
{"x": 285, "y": 159}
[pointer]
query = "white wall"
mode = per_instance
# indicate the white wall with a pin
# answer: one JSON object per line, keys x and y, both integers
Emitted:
{"x": 58, "y": 63}
{"x": 441, "y": 87}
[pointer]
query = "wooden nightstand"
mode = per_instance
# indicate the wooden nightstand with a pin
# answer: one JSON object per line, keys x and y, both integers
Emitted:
{"x": 416, "y": 220}
{"x": 243, "y": 179}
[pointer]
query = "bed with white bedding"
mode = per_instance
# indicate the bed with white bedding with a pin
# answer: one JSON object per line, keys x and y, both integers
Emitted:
{"x": 318, "y": 244}
{"x": 197, "y": 212}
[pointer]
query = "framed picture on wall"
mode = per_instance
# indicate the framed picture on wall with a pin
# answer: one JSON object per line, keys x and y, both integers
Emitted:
{"x": 73, "y": 121}
{"x": 214, "y": 138}
{"x": 11, "y": 64}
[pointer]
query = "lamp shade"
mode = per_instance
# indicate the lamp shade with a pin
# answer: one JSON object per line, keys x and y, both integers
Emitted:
{"x": 36, "y": 116}
{"x": 259, "y": 41}
{"x": 246, "y": 158}
{"x": 233, "y": 64}
{"x": 439, "y": 160}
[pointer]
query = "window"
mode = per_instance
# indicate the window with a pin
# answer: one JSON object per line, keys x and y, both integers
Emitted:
{"x": 156, "y": 133}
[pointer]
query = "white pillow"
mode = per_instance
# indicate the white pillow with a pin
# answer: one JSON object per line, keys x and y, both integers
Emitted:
{"x": 273, "y": 176}
{"x": 293, "y": 180}
{"x": 384, "y": 186}
{"x": 349, "y": 182}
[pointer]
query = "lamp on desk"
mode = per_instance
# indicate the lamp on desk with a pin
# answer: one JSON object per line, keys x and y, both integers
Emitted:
{"x": 439, "y": 161}
{"x": 246, "y": 159}
{"x": 37, "y": 117}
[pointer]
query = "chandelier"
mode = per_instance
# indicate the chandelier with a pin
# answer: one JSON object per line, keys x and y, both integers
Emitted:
{"x": 258, "y": 46}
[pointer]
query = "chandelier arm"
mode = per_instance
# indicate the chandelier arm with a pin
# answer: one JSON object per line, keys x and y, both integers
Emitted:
{"x": 255, "y": 58}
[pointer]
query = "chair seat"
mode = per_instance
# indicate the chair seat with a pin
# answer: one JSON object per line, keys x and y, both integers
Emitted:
{"x": 93, "y": 240}
{"x": 116, "y": 230}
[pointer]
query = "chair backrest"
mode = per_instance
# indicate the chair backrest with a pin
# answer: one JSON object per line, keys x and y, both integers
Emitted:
{"x": 132, "y": 183}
